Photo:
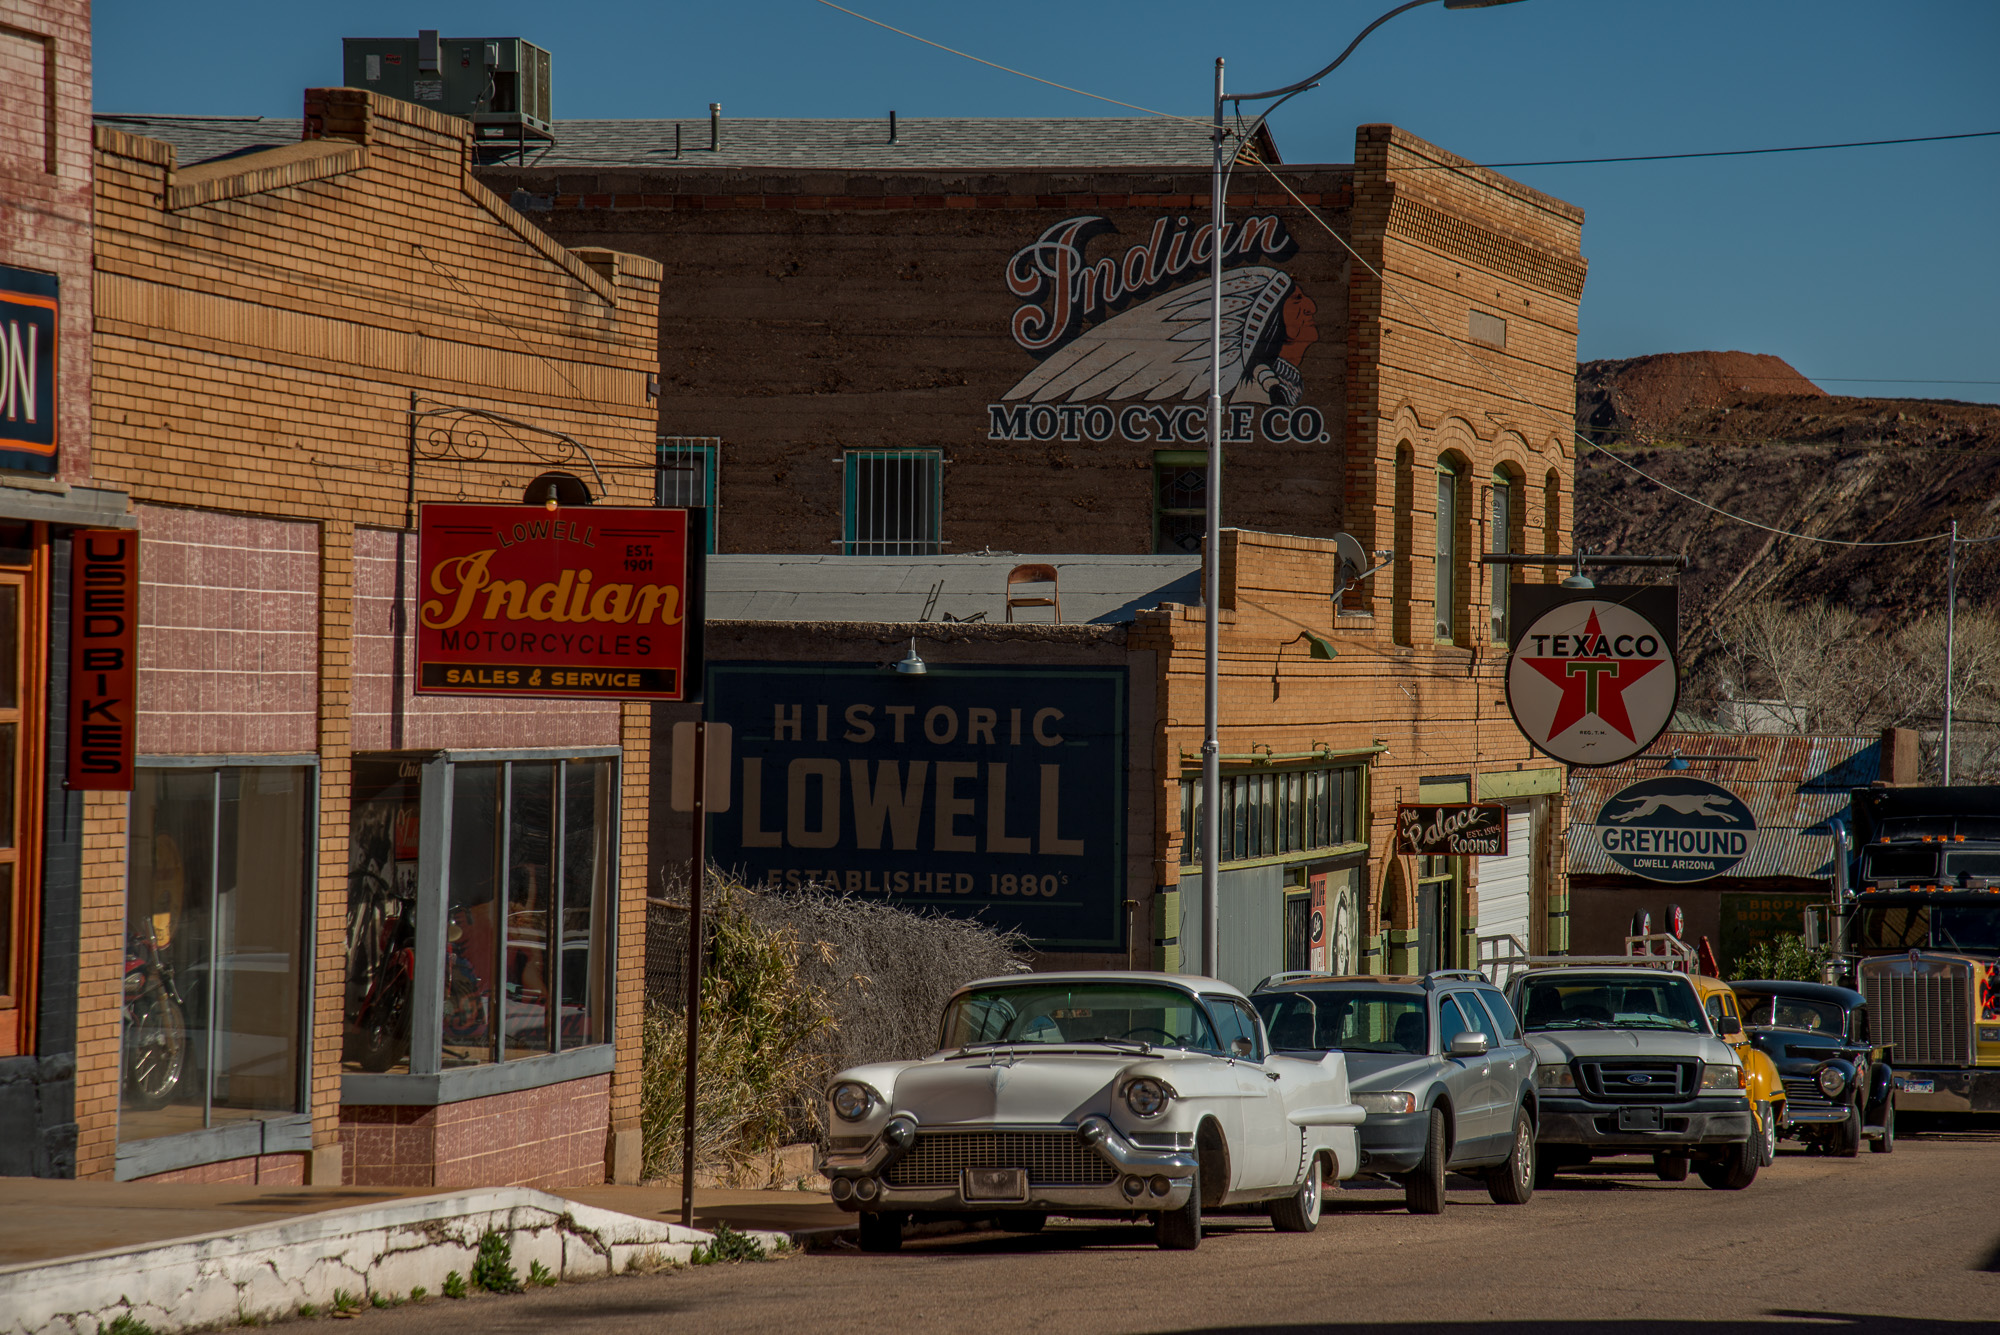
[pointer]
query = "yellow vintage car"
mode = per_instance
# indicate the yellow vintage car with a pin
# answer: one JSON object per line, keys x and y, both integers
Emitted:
{"x": 1760, "y": 1074}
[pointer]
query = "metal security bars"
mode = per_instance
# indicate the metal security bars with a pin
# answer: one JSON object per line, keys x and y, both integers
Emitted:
{"x": 685, "y": 476}
{"x": 1180, "y": 497}
{"x": 1500, "y": 542}
{"x": 1274, "y": 813}
{"x": 1447, "y": 555}
{"x": 891, "y": 503}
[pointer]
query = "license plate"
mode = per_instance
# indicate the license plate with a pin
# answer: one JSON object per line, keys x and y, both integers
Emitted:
{"x": 1909, "y": 1086}
{"x": 1638, "y": 1119}
{"x": 994, "y": 1184}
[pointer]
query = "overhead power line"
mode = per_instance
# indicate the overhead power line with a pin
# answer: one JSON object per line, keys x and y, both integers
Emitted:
{"x": 1715, "y": 153}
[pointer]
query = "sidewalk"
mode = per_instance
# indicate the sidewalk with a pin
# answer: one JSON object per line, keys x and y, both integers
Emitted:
{"x": 76, "y": 1255}
{"x": 43, "y": 1219}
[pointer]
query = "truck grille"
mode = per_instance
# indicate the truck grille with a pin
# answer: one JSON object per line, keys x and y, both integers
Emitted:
{"x": 1926, "y": 1017}
{"x": 1644, "y": 1080}
{"x": 1802, "y": 1094}
{"x": 1052, "y": 1158}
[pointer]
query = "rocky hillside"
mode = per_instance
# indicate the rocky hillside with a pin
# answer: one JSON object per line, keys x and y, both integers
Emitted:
{"x": 1750, "y": 435}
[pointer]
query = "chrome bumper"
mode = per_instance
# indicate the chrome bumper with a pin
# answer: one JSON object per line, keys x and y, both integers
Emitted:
{"x": 1177, "y": 1166}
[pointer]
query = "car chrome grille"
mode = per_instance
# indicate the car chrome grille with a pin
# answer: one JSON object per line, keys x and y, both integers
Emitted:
{"x": 1926, "y": 1018}
{"x": 1052, "y": 1158}
{"x": 1640, "y": 1080}
{"x": 1802, "y": 1093}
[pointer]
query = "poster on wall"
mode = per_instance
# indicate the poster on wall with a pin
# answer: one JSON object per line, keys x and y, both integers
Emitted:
{"x": 103, "y": 658}
{"x": 989, "y": 792}
{"x": 30, "y": 311}
{"x": 583, "y": 602}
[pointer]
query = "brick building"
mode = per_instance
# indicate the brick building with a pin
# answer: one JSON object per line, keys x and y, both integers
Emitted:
{"x": 45, "y": 495}
{"x": 294, "y": 348}
{"x": 976, "y": 335}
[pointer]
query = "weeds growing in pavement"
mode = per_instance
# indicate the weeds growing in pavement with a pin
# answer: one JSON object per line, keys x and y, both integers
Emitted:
{"x": 125, "y": 1324}
{"x": 345, "y": 1303}
{"x": 729, "y": 1245}
{"x": 454, "y": 1284}
{"x": 493, "y": 1268}
{"x": 308, "y": 1310}
{"x": 539, "y": 1276}
{"x": 419, "y": 1293}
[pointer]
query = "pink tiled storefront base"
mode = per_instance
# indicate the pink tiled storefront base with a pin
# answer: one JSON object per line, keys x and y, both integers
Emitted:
{"x": 548, "y": 1137}
{"x": 265, "y": 1170}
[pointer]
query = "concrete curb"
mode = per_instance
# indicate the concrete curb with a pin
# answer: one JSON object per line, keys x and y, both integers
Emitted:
{"x": 268, "y": 1272}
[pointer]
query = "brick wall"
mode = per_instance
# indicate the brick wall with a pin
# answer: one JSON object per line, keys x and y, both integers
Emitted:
{"x": 228, "y": 633}
{"x": 547, "y": 1137}
{"x": 263, "y": 323}
{"x": 45, "y": 165}
{"x": 807, "y": 313}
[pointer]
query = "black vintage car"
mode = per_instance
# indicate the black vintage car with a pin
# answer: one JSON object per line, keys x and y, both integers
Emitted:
{"x": 1839, "y": 1089}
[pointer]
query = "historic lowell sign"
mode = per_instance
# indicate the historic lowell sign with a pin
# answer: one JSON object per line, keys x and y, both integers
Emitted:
{"x": 1592, "y": 682}
{"x": 978, "y": 791}
{"x": 1675, "y": 828}
{"x": 590, "y": 601}
{"x": 1459, "y": 829}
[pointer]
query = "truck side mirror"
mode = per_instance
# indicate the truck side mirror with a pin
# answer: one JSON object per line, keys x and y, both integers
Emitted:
{"x": 1728, "y": 1025}
{"x": 1815, "y": 930}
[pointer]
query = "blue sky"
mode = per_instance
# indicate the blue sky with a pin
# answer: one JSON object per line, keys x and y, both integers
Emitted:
{"x": 1876, "y": 263}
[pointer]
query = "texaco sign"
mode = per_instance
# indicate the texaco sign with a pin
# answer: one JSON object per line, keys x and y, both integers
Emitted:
{"x": 1592, "y": 682}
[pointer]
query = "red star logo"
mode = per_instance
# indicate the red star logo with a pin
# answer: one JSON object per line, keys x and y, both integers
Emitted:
{"x": 1593, "y": 685}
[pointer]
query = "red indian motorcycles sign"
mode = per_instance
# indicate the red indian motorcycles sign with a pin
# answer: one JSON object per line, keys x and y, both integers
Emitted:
{"x": 1123, "y": 336}
{"x": 582, "y": 602}
{"x": 1592, "y": 682}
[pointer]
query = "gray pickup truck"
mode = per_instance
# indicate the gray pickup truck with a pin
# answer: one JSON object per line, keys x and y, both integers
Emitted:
{"x": 1627, "y": 1064}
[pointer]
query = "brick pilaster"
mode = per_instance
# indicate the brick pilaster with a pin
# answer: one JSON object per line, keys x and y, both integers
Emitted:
{"x": 336, "y": 665}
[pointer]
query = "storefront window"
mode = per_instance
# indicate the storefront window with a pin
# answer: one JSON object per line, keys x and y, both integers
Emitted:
{"x": 214, "y": 976}
{"x": 1275, "y": 813}
{"x": 524, "y": 887}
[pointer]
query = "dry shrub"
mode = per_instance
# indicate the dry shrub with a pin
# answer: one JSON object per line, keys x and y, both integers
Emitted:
{"x": 795, "y": 986}
{"x": 885, "y": 971}
{"x": 763, "y": 1026}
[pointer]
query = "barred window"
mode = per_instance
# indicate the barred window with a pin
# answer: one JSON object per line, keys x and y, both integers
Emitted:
{"x": 685, "y": 476}
{"x": 1276, "y": 812}
{"x": 891, "y": 503}
{"x": 1180, "y": 500}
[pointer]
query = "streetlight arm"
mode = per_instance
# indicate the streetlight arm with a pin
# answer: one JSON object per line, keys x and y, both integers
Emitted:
{"x": 1303, "y": 84}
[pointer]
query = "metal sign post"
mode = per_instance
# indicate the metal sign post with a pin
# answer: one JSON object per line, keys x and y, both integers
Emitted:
{"x": 699, "y": 785}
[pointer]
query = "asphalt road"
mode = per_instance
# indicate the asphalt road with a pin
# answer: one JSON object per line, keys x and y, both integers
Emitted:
{"x": 1908, "y": 1242}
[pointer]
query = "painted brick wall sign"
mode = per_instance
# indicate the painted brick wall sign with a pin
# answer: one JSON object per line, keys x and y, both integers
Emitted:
{"x": 1592, "y": 682}
{"x": 103, "y": 658}
{"x": 1460, "y": 829}
{"x": 988, "y": 792}
{"x": 583, "y": 602}
{"x": 1675, "y": 828}
{"x": 29, "y": 308}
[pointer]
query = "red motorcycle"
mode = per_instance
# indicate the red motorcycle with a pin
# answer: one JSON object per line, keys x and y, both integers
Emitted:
{"x": 381, "y": 970}
{"x": 156, "y": 1037}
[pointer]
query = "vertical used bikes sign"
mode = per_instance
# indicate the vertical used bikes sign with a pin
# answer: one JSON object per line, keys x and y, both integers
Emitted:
{"x": 579, "y": 603}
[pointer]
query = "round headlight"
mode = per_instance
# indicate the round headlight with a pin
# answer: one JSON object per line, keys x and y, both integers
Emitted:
{"x": 1831, "y": 1081}
{"x": 852, "y": 1100}
{"x": 1147, "y": 1097}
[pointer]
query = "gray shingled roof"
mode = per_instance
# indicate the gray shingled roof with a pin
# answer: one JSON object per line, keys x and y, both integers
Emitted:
{"x": 1101, "y": 589}
{"x": 922, "y": 143}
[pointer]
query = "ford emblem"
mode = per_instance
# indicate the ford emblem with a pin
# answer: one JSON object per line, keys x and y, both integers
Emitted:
{"x": 1642, "y": 1079}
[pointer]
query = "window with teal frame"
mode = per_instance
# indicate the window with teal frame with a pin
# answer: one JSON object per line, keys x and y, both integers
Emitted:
{"x": 685, "y": 476}
{"x": 890, "y": 503}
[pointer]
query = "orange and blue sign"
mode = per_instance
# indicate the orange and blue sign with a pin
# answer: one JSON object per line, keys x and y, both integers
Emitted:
{"x": 30, "y": 311}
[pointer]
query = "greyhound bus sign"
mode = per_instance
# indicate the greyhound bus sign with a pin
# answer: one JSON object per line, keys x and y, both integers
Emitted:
{"x": 1675, "y": 828}
{"x": 1592, "y": 682}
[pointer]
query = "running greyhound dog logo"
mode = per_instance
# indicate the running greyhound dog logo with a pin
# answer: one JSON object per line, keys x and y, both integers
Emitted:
{"x": 1712, "y": 806}
{"x": 1674, "y": 828}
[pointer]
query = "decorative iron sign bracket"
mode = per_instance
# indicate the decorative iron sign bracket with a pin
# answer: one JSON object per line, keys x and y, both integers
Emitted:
{"x": 441, "y": 431}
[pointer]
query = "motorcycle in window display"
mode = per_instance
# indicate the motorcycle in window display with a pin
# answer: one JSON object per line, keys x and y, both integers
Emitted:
{"x": 156, "y": 1036}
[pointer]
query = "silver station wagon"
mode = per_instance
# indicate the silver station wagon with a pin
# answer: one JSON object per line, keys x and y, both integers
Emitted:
{"x": 1438, "y": 1064}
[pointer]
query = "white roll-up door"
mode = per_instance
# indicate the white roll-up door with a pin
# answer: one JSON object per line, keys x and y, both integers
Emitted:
{"x": 1505, "y": 902}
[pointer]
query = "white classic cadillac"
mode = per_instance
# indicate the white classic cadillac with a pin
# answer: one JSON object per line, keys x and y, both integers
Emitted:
{"x": 1095, "y": 1095}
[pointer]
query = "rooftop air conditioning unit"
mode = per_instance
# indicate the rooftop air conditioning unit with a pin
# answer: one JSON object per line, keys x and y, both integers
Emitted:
{"x": 500, "y": 84}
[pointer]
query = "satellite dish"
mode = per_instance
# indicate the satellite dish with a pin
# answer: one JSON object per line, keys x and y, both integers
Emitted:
{"x": 1353, "y": 565}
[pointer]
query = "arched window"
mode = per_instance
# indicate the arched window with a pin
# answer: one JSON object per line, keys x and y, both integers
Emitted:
{"x": 1552, "y": 509}
{"x": 1503, "y": 537}
{"x": 1448, "y": 554}
{"x": 1406, "y": 503}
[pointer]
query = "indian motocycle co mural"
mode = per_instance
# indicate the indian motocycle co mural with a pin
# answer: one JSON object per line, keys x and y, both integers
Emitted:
{"x": 1132, "y": 329}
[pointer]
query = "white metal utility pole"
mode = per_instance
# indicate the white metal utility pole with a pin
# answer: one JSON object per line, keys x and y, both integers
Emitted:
{"x": 1950, "y": 644}
{"x": 1211, "y": 595}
